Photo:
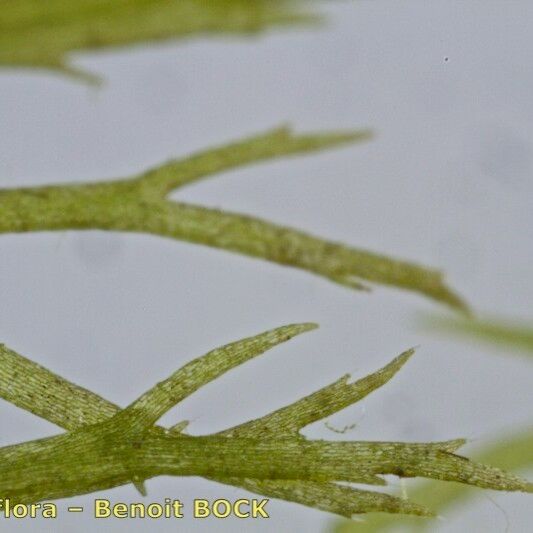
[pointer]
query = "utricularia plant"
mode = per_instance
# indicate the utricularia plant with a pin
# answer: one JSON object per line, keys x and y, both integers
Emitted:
{"x": 105, "y": 446}
{"x": 141, "y": 204}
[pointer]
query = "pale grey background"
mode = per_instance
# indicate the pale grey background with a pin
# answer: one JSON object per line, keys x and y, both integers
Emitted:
{"x": 447, "y": 181}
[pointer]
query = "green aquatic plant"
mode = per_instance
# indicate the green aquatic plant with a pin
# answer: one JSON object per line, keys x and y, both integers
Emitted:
{"x": 41, "y": 34}
{"x": 105, "y": 446}
{"x": 141, "y": 204}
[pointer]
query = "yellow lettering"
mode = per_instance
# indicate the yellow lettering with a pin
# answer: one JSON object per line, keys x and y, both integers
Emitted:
{"x": 201, "y": 509}
{"x": 154, "y": 510}
{"x": 177, "y": 506}
{"x": 49, "y": 510}
{"x": 258, "y": 509}
{"x": 101, "y": 509}
{"x": 137, "y": 510}
{"x": 120, "y": 510}
{"x": 20, "y": 511}
{"x": 237, "y": 508}
{"x": 226, "y": 508}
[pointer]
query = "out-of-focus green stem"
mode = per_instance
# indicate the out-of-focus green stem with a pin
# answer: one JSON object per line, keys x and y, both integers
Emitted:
{"x": 35, "y": 33}
{"x": 498, "y": 332}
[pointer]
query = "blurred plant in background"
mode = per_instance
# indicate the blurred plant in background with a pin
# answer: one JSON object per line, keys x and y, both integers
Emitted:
{"x": 36, "y": 33}
{"x": 499, "y": 332}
